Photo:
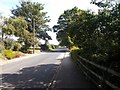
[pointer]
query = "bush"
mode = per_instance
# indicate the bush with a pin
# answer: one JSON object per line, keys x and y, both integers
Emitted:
{"x": 74, "y": 51}
{"x": 50, "y": 47}
{"x": 9, "y": 44}
{"x": 9, "y": 54}
{"x": 44, "y": 47}
{"x": 17, "y": 46}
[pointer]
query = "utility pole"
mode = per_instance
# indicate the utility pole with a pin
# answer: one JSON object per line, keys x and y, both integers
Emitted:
{"x": 33, "y": 36}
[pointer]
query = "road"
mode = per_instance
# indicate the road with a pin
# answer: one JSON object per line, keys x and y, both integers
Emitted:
{"x": 35, "y": 72}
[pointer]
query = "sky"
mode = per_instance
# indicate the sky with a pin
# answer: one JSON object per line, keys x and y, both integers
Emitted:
{"x": 54, "y": 8}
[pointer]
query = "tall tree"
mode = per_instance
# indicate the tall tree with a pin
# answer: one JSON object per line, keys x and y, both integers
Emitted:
{"x": 64, "y": 26}
{"x": 34, "y": 16}
{"x": 72, "y": 27}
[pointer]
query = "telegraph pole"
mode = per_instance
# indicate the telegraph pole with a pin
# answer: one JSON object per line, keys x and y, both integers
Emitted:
{"x": 33, "y": 36}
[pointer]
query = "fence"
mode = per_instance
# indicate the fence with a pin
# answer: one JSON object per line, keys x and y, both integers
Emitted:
{"x": 100, "y": 75}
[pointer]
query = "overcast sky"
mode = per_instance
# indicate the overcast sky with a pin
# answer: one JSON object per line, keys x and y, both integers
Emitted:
{"x": 54, "y": 8}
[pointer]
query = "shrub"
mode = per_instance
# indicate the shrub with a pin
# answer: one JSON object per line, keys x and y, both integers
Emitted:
{"x": 44, "y": 47}
{"x": 50, "y": 47}
{"x": 17, "y": 46}
{"x": 74, "y": 51}
{"x": 9, "y": 44}
{"x": 9, "y": 54}
{"x": 74, "y": 48}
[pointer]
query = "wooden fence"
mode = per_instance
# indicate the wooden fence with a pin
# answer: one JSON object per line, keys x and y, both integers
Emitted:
{"x": 114, "y": 78}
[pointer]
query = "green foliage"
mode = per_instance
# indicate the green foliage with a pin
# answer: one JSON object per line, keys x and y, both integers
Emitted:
{"x": 68, "y": 29}
{"x": 54, "y": 46}
{"x": 8, "y": 27}
{"x": 47, "y": 47}
{"x": 34, "y": 15}
{"x": 9, "y": 54}
{"x": 44, "y": 47}
{"x": 17, "y": 46}
{"x": 51, "y": 47}
{"x": 74, "y": 48}
{"x": 34, "y": 19}
{"x": 44, "y": 36}
{"x": 26, "y": 16}
{"x": 14, "y": 26}
{"x": 74, "y": 52}
{"x": 1, "y": 45}
{"x": 20, "y": 26}
{"x": 96, "y": 35}
{"x": 9, "y": 43}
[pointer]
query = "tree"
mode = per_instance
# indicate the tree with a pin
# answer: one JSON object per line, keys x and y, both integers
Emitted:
{"x": 17, "y": 26}
{"x": 33, "y": 15}
{"x": 74, "y": 26}
{"x": 109, "y": 25}
{"x": 8, "y": 28}
{"x": 44, "y": 36}
{"x": 64, "y": 28}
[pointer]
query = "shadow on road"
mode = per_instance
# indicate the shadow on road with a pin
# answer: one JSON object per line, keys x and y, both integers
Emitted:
{"x": 32, "y": 77}
{"x": 40, "y": 77}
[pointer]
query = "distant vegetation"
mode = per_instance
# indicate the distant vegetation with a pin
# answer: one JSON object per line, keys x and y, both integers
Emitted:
{"x": 48, "y": 47}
